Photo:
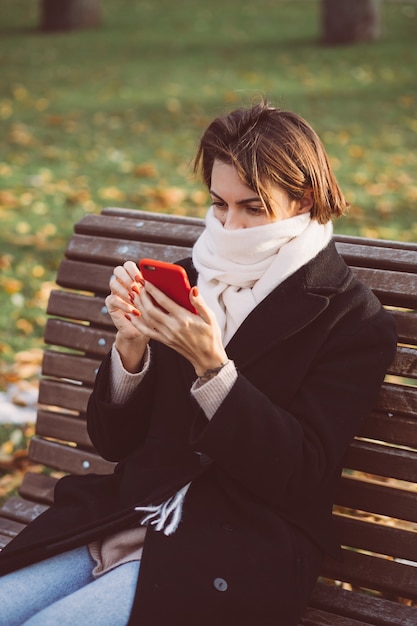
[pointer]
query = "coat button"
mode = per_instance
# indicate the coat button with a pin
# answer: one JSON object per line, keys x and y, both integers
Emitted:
{"x": 220, "y": 584}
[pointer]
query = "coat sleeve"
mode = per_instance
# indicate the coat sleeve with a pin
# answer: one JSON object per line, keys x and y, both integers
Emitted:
{"x": 281, "y": 454}
{"x": 118, "y": 429}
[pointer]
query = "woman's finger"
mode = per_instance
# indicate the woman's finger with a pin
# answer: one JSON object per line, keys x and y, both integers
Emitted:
{"x": 127, "y": 274}
{"x": 122, "y": 284}
{"x": 199, "y": 304}
{"x": 132, "y": 270}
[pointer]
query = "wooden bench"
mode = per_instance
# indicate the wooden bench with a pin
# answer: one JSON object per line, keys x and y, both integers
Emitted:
{"x": 376, "y": 508}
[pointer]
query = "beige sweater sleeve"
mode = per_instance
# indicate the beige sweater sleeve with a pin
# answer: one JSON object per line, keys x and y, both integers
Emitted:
{"x": 211, "y": 394}
{"x": 122, "y": 382}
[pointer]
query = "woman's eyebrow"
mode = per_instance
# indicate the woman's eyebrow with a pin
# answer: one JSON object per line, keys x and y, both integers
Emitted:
{"x": 243, "y": 201}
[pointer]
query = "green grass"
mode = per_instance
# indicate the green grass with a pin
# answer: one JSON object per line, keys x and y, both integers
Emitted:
{"x": 112, "y": 117}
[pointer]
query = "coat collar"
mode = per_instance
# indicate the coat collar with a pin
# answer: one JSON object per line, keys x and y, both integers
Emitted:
{"x": 289, "y": 307}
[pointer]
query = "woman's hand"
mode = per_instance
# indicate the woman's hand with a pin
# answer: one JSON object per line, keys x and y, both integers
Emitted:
{"x": 196, "y": 337}
{"x": 126, "y": 283}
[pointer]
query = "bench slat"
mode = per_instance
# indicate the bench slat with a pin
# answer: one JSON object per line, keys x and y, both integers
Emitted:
{"x": 116, "y": 251}
{"x": 70, "y": 366}
{"x": 398, "y": 399}
{"x": 378, "y": 257}
{"x": 392, "y": 288}
{"x": 38, "y": 487}
{"x": 152, "y": 215}
{"x": 192, "y": 221}
{"x": 103, "y": 249}
{"x": 92, "y": 309}
{"x": 98, "y": 341}
{"x": 77, "y": 306}
{"x": 64, "y": 395}
{"x": 315, "y": 617}
{"x": 379, "y": 243}
{"x": 381, "y": 460}
{"x": 379, "y": 611}
{"x": 63, "y": 427}
{"x": 94, "y": 341}
{"x": 10, "y": 528}
{"x": 405, "y": 362}
{"x": 380, "y": 538}
{"x": 393, "y": 429}
{"x": 356, "y": 533}
{"x": 362, "y": 456}
{"x": 371, "y": 572}
{"x": 71, "y": 428}
{"x": 21, "y": 510}
{"x": 163, "y": 232}
{"x": 396, "y": 426}
{"x": 377, "y": 498}
{"x": 406, "y": 326}
{"x": 179, "y": 230}
{"x": 68, "y": 459}
{"x": 354, "y": 492}
{"x": 4, "y": 539}
{"x": 84, "y": 276}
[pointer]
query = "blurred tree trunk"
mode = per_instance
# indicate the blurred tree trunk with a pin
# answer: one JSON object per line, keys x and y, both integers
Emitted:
{"x": 69, "y": 14}
{"x": 350, "y": 21}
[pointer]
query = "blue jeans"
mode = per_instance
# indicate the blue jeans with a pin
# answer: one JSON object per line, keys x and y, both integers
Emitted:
{"x": 62, "y": 591}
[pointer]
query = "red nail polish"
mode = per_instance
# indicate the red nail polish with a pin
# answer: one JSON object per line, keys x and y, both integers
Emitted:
{"x": 136, "y": 312}
{"x": 135, "y": 289}
{"x": 128, "y": 317}
{"x": 195, "y": 292}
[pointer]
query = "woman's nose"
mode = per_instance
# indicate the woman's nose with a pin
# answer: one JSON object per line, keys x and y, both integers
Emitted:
{"x": 233, "y": 220}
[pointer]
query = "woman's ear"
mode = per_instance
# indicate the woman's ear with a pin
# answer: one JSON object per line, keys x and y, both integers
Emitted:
{"x": 306, "y": 202}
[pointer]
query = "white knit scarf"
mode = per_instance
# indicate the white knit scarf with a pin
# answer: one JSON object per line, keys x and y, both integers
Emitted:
{"x": 239, "y": 268}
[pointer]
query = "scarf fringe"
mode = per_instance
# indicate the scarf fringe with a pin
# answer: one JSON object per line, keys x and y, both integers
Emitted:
{"x": 165, "y": 516}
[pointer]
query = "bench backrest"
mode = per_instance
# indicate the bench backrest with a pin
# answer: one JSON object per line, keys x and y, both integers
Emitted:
{"x": 376, "y": 507}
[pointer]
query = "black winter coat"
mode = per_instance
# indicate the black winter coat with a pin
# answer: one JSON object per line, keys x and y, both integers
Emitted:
{"x": 311, "y": 358}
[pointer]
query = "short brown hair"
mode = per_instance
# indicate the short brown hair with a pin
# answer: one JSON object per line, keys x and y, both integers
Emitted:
{"x": 271, "y": 146}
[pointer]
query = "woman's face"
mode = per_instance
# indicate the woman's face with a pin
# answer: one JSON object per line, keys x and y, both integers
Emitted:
{"x": 237, "y": 206}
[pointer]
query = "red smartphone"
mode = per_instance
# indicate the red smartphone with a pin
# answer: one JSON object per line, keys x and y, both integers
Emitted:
{"x": 169, "y": 278}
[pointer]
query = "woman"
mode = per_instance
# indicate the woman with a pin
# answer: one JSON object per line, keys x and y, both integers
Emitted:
{"x": 229, "y": 426}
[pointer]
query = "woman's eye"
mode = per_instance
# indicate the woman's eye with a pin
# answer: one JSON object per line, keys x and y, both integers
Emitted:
{"x": 218, "y": 205}
{"x": 253, "y": 210}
